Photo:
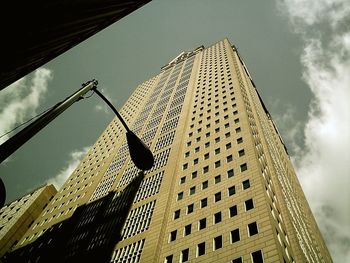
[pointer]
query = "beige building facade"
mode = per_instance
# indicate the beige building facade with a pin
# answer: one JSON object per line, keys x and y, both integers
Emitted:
{"x": 222, "y": 189}
{"x": 18, "y": 216}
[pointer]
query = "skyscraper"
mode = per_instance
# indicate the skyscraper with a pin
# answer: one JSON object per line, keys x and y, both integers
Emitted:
{"x": 222, "y": 189}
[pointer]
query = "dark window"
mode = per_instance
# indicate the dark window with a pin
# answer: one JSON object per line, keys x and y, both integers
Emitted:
{"x": 239, "y": 140}
{"x": 244, "y": 167}
{"x": 188, "y": 229}
{"x": 249, "y": 204}
{"x": 206, "y": 156}
{"x": 217, "y": 179}
{"x": 187, "y": 154}
{"x": 180, "y": 196}
{"x": 217, "y": 164}
{"x": 185, "y": 166}
{"x": 184, "y": 255}
{"x": 253, "y": 229}
{"x": 202, "y": 223}
{"x": 204, "y": 202}
{"x": 190, "y": 208}
{"x": 207, "y": 144}
{"x": 195, "y": 161}
{"x": 205, "y": 169}
{"x": 246, "y": 184}
{"x": 257, "y": 257}
{"x": 230, "y": 173}
{"x": 217, "y": 197}
{"x": 182, "y": 180}
{"x": 217, "y": 139}
{"x": 217, "y": 150}
{"x": 192, "y": 190}
{"x": 173, "y": 235}
{"x": 194, "y": 174}
{"x": 217, "y": 242}
{"x": 233, "y": 211}
{"x": 177, "y": 214}
{"x": 169, "y": 259}
{"x": 238, "y": 129}
{"x": 231, "y": 190}
{"x": 236, "y": 120}
{"x": 237, "y": 260}
{"x": 235, "y": 235}
{"x": 217, "y": 217}
{"x": 205, "y": 184}
{"x": 201, "y": 249}
{"x": 241, "y": 153}
{"x": 228, "y": 146}
{"x": 229, "y": 158}
{"x": 227, "y": 134}
{"x": 196, "y": 149}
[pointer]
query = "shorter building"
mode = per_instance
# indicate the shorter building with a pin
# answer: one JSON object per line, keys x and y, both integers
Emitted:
{"x": 17, "y": 216}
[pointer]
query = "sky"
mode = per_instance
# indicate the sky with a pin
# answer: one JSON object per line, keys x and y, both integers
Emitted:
{"x": 297, "y": 51}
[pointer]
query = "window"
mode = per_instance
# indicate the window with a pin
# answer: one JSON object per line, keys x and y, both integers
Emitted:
{"x": 207, "y": 134}
{"x": 228, "y": 146}
{"x": 194, "y": 174}
{"x": 206, "y": 156}
{"x": 200, "y": 249}
{"x": 183, "y": 180}
{"x": 233, "y": 211}
{"x": 230, "y": 173}
{"x": 207, "y": 144}
{"x": 187, "y": 154}
{"x": 202, "y": 223}
{"x": 246, "y": 184}
{"x": 217, "y": 139}
{"x": 241, "y": 153}
{"x": 244, "y": 167}
{"x": 237, "y": 260}
{"x": 195, "y": 161}
{"x": 204, "y": 185}
{"x": 217, "y": 179}
{"x": 185, "y": 166}
{"x": 180, "y": 196}
{"x": 217, "y": 164}
{"x": 252, "y": 229}
{"x": 192, "y": 190}
{"x": 217, "y": 197}
{"x": 217, "y": 150}
{"x": 198, "y": 139}
{"x": 189, "y": 143}
{"x": 217, "y": 242}
{"x": 239, "y": 140}
{"x": 187, "y": 230}
{"x": 205, "y": 169}
{"x": 227, "y": 134}
{"x": 204, "y": 202}
{"x": 227, "y": 125}
{"x": 196, "y": 149}
{"x": 249, "y": 204}
{"x": 169, "y": 259}
{"x": 217, "y": 217}
{"x": 236, "y": 120}
{"x": 238, "y": 130}
{"x": 184, "y": 255}
{"x": 173, "y": 235}
{"x": 176, "y": 214}
{"x": 190, "y": 208}
{"x": 235, "y": 235}
{"x": 231, "y": 190}
{"x": 217, "y": 130}
{"x": 257, "y": 257}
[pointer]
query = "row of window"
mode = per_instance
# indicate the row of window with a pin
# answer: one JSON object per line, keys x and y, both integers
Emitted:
{"x": 248, "y": 204}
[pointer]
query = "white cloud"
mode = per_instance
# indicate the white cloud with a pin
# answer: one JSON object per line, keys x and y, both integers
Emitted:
{"x": 74, "y": 159}
{"x": 325, "y": 163}
{"x": 20, "y": 100}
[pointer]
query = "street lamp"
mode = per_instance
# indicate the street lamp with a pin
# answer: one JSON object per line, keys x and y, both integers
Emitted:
{"x": 139, "y": 152}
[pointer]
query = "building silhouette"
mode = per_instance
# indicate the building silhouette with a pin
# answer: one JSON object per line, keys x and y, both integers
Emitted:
{"x": 222, "y": 189}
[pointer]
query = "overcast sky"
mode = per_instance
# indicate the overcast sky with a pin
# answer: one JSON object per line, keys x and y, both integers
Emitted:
{"x": 297, "y": 51}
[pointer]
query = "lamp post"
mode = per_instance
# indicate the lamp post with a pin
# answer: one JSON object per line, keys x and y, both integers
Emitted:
{"x": 139, "y": 152}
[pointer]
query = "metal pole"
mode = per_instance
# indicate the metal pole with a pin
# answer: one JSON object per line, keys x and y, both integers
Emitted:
{"x": 16, "y": 141}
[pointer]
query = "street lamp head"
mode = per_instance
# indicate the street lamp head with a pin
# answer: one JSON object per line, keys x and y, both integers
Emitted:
{"x": 139, "y": 152}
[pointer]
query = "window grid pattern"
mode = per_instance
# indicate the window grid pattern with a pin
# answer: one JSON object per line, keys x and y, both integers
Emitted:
{"x": 138, "y": 220}
{"x": 130, "y": 253}
{"x": 149, "y": 187}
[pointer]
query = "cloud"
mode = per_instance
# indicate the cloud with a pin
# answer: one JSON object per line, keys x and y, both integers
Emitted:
{"x": 74, "y": 159}
{"x": 20, "y": 100}
{"x": 324, "y": 165}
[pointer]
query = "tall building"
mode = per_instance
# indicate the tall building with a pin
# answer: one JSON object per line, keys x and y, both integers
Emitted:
{"x": 18, "y": 216}
{"x": 222, "y": 188}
